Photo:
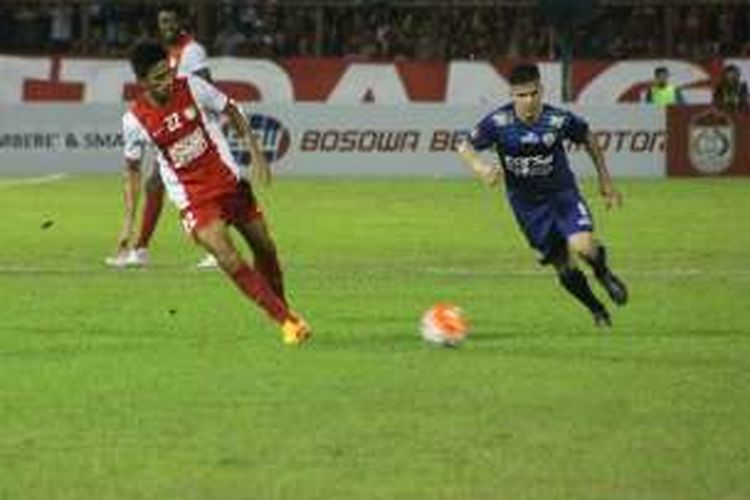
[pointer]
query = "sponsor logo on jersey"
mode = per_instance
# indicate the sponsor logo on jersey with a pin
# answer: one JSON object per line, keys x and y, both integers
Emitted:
{"x": 188, "y": 148}
{"x": 529, "y": 166}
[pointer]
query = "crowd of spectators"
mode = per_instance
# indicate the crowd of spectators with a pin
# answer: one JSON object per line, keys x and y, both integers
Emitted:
{"x": 387, "y": 30}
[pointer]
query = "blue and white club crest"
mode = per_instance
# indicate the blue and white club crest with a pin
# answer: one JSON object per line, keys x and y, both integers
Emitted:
{"x": 556, "y": 121}
{"x": 530, "y": 138}
{"x": 548, "y": 138}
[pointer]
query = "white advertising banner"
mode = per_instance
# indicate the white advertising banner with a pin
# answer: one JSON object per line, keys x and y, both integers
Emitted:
{"x": 312, "y": 139}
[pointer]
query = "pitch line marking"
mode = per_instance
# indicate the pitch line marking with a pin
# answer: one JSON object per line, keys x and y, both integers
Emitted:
{"x": 32, "y": 181}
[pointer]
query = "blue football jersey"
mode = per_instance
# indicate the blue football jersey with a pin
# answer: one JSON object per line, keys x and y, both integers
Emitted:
{"x": 533, "y": 156}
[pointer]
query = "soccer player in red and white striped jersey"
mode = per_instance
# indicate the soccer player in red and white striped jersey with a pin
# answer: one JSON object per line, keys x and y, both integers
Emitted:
{"x": 186, "y": 57}
{"x": 179, "y": 118}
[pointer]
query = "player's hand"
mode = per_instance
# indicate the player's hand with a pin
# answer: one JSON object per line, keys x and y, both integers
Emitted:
{"x": 612, "y": 197}
{"x": 490, "y": 174}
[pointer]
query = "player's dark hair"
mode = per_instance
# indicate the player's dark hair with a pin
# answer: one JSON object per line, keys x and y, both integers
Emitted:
{"x": 175, "y": 7}
{"x": 145, "y": 55}
{"x": 661, "y": 70}
{"x": 524, "y": 73}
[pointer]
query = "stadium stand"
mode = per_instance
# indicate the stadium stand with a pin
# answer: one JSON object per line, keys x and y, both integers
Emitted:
{"x": 397, "y": 29}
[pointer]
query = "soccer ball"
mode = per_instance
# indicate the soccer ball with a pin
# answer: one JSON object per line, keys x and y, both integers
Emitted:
{"x": 445, "y": 325}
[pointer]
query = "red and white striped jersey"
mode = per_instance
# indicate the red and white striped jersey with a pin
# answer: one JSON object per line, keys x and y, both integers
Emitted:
{"x": 187, "y": 56}
{"x": 194, "y": 158}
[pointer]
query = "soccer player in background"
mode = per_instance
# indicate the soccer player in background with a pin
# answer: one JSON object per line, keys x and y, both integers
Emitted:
{"x": 179, "y": 118}
{"x": 528, "y": 137}
{"x": 186, "y": 57}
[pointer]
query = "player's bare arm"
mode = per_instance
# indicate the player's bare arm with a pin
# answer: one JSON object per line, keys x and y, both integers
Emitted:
{"x": 131, "y": 191}
{"x": 490, "y": 174}
{"x": 612, "y": 197}
{"x": 261, "y": 171}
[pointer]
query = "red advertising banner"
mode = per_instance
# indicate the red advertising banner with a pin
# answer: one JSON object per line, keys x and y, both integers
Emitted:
{"x": 347, "y": 82}
{"x": 704, "y": 141}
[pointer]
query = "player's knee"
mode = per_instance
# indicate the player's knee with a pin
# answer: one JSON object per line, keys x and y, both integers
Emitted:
{"x": 581, "y": 247}
{"x": 229, "y": 260}
{"x": 154, "y": 185}
{"x": 262, "y": 244}
{"x": 221, "y": 248}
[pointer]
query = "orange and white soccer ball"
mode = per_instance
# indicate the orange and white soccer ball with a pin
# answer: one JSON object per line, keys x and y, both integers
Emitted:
{"x": 444, "y": 324}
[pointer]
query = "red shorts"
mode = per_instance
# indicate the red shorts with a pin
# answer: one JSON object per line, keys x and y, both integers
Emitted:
{"x": 233, "y": 208}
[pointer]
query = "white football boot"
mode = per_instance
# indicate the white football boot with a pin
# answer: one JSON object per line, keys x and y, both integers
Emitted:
{"x": 137, "y": 257}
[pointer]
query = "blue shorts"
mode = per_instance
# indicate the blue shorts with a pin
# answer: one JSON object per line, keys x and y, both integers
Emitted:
{"x": 548, "y": 222}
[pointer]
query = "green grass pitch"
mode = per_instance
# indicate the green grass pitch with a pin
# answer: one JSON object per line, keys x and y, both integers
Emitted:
{"x": 165, "y": 384}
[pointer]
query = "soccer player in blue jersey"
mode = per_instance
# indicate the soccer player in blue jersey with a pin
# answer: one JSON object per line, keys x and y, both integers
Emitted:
{"x": 528, "y": 137}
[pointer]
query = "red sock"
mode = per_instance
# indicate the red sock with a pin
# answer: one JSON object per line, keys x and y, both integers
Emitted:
{"x": 268, "y": 265}
{"x": 254, "y": 286}
{"x": 151, "y": 213}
